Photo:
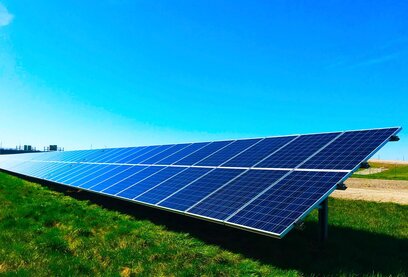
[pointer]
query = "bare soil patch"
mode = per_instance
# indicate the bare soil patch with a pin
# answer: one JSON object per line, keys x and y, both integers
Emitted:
{"x": 369, "y": 171}
{"x": 375, "y": 190}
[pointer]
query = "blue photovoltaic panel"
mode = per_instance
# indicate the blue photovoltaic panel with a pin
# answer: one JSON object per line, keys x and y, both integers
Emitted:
{"x": 39, "y": 167}
{"x": 21, "y": 166}
{"x": 134, "y": 153}
{"x": 54, "y": 156}
{"x": 171, "y": 185}
{"x": 80, "y": 156}
{"x": 284, "y": 203}
{"x": 132, "y": 179}
{"x": 131, "y": 153}
{"x": 110, "y": 172}
{"x": 119, "y": 178}
{"x": 200, "y": 188}
{"x": 74, "y": 172}
{"x": 203, "y": 153}
{"x": 182, "y": 153}
{"x": 77, "y": 156}
{"x": 149, "y": 154}
{"x": 139, "y": 187}
{"x": 258, "y": 152}
{"x": 28, "y": 167}
{"x": 43, "y": 167}
{"x": 297, "y": 151}
{"x": 228, "y": 152}
{"x": 76, "y": 168}
{"x": 85, "y": 176}
{"x": 111, "y": 157}
{"x": 233, "y": 182}
{"x": 165, "y": 154}
{"x": 235, "y": 194}
{"x": 350, "y": 149}
{"x": 94, "y": 155}
{"x": 100, "y": 155}
{"x": 78, "y": 179}
{"x": 56, "y": 172}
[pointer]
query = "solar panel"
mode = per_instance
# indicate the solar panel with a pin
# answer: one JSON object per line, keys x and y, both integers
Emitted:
{"x": 197, "y": 189}
{"x": 204, "y": 152}
{"x": 349, "y": 149}
{"x": 228, "y": 152}
{"x": 252, "y": 155}
{"x": 172, "y": 185}
{"x": 235, "y": 193}
{"x": 94, "y": 179}
{"x": 298, "y": 151}
{"x": 141, "y": 186}
{"x": 192, "y": 148}
{"x": 264, "y": 185}
{"x": 286, "y": 201}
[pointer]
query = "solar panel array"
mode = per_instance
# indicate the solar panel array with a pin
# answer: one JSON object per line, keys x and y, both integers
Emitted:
{"x": 264, "y": 185}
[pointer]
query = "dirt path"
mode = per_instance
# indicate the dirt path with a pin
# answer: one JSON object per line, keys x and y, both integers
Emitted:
{"x": 375, "y": 190}
{"x": 369, "y": 171}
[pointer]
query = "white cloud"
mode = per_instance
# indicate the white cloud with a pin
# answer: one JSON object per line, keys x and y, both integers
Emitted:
{"x": 5, "y": 16}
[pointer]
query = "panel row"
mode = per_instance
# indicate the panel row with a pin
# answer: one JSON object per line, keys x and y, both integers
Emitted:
{"x": 267, "y": 200}
{"x": 341, "y": 151}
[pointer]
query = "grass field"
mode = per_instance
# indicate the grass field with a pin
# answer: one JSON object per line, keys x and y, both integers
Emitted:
{"x": 393, "y": 172}
{"x": 44, "y": 232}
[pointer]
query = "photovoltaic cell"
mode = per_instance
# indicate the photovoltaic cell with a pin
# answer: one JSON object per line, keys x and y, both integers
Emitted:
{"x": 111, "y": 157}
{"x": 297, "y": 151}
{"x": 156, "y": 150}
{"x": 119, "y": 178}
{"x": 100, "y": 155}
{"x": 20, "y": 166}
{"x": 191, "y": 194}
{"x": 25, "y": 166}
{"x": 350, "y": 149}
{"x": 228, "y": 152}
{"x": 78, "y": 178}
{"x": 57, "y": 172}
{"x": 285, "y": 202}
{"x": 235, "y": 194}
{"x": 134, "y": 153}
{"x": 122, "y": 184}
{"x": 139, "y": 187}
{"x": 171, "y": 185}
{"x": 182, "y": 153}
{"x": 203, "y": 153}
{"x": 39, "y": 167}
{"x": 75, "y": 169}
{"x": 95, "y": 178}
{"x": 165, "y": 154}
{"x": 83, "y": 173}
{"x": 130, "y": 151}
{"x": 258, "y": 152}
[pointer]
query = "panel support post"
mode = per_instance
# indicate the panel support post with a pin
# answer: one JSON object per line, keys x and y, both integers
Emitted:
{"x": 323, "y": 220}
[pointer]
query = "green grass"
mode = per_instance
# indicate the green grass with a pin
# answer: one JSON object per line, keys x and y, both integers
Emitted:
{"x": 393, "y": 172}
{"x": 46, "y": 233}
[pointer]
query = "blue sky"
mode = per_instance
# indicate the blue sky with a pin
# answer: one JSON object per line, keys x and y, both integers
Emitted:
{"x": 123, "y": 73}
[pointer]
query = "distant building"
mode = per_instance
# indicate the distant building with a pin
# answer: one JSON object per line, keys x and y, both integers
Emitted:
{"x": 53, "y": 147}
{"x": 28, "y": 148}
